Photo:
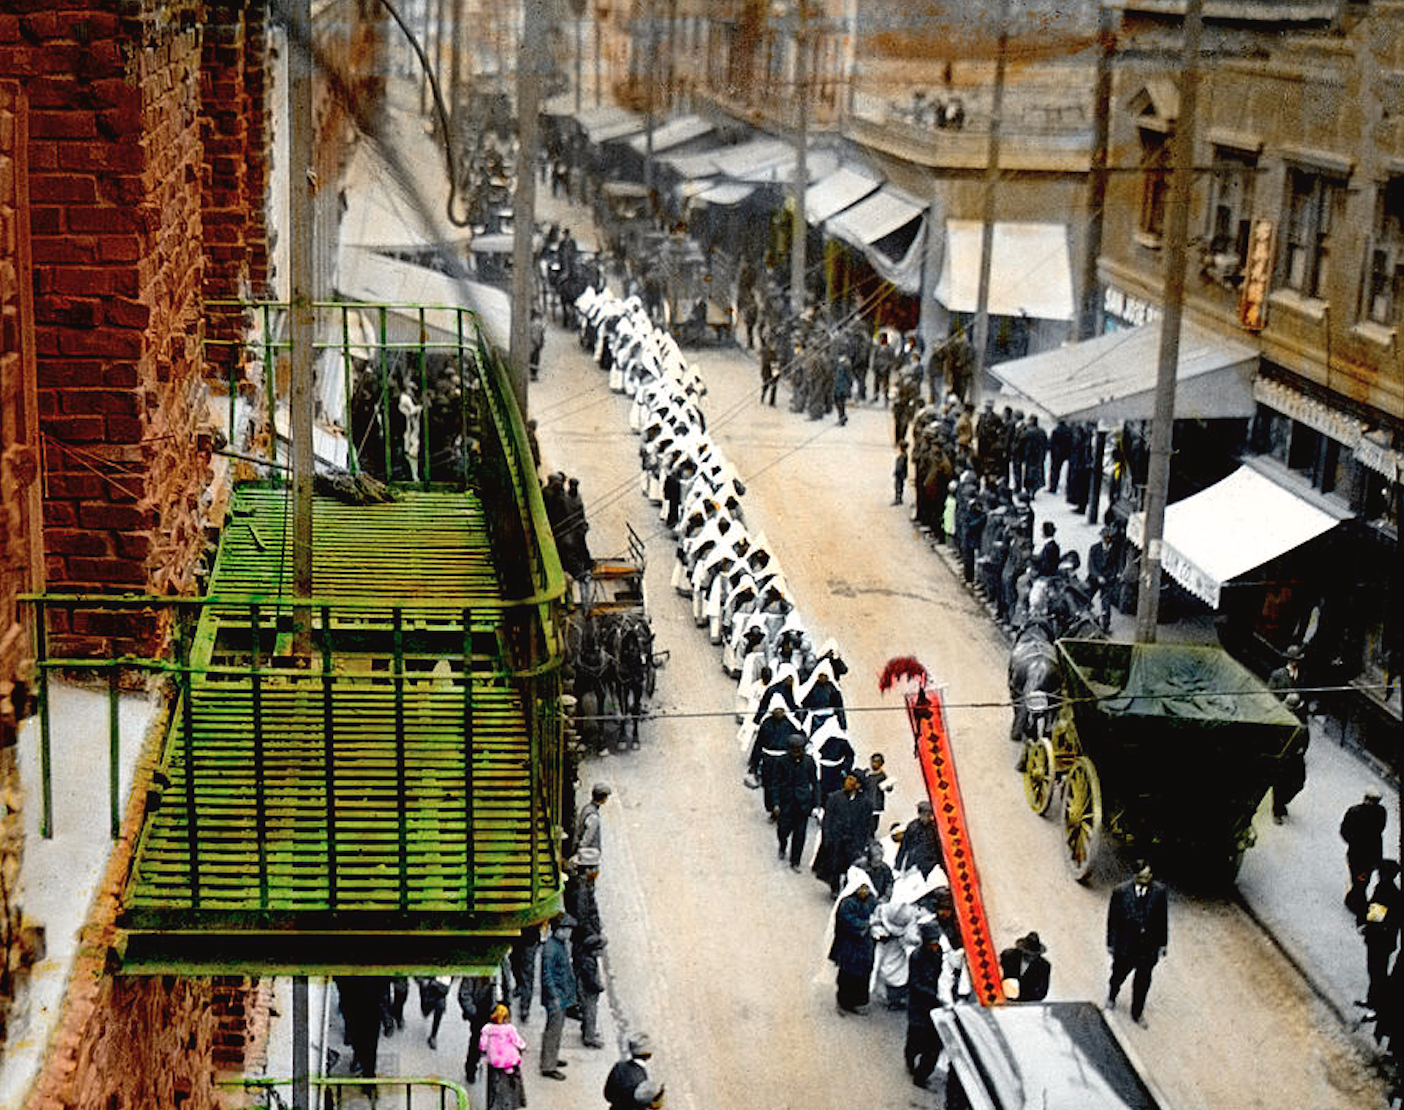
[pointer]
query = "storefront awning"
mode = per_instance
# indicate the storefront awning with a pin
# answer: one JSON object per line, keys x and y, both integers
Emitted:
{"x": 884, "y": 212}
{"x": 626, "y": 123}
{"x": 726, "y": 194}
{"x": 839, "y": 190}
{"x": 1030, "y": 274}
{"x": 366, "y": 276}
{"x": 759, "y": 156}
{"x": 675, "y": 132}
{"x": 1112, "y": 377}
{"x": 1229, "y": 529}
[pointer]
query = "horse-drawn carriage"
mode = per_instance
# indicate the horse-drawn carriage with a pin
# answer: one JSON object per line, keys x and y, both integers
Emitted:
{"x": 611, "y": 643}
{"x": 1169, "y": 747}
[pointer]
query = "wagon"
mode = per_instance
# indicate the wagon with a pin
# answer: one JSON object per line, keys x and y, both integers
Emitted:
{"x": 1168, "y": 747}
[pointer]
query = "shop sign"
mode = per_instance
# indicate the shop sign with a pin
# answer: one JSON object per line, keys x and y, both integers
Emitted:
{"x": 1257, "y": 276}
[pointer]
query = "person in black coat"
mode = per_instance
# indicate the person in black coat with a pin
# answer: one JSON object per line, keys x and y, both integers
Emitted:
{"x": 848, "y": 820}
{"x": 1060, "y": 446}
{"x": 624, "y": 1078}
{"x": 769, "y": 748}
{"x": 836, "y": 758}
{"x": 853, "y": 949}
{"x": 1104, "y": 573}
{"x": 1035, "y": 447}
{"x": 923, "y": 1047}
{"x": 921, "y": 844}
{"x": 796, "y": 783}
{"x": 1046, "y": 561}
{"x": 1137, "y": 936}
{"x": 825, "y": 699}
{"x": 1362, "y": 828}
{"x": 1381, "y": 930}
{"x": 1025, "y": 964}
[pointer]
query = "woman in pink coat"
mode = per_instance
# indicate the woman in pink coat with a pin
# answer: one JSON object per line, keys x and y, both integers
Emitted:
{"x": 502, "y": 1046}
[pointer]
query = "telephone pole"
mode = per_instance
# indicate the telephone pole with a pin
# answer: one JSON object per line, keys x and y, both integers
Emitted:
{"x": 1091, "y": 313}
{"x": 982, "y": 304}
{"x": 798, "y": 227}
{"x": 1176, "y": 232}
{"x": 530, "y": 67}
{"x": 302, "y": 322}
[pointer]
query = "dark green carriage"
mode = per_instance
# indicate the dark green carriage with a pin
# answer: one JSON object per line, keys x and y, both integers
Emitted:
{"x": 1170, "y": 747}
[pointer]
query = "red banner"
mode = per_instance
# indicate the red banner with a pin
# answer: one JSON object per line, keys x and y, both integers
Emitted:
{"x": 927, "y": 715}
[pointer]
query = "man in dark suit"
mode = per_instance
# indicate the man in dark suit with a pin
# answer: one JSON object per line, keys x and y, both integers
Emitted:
{"x": 1026, "y": 966}
{"x": 796, "y": 783}
{"x": 1137, "y": 936}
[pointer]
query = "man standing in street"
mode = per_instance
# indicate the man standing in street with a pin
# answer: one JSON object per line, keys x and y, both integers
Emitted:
{"x": 796, "y": 794}
{"x": 1103, "y": 573}
{"x": 848, "y": 822}
{"x": 770, "y": 376}
{"x": 557, "y": 993}
{"x": 587, "y": 824}
{"x": 1137, "y": 936}
{"x": 921, "y": 845}
{"x": 1027, "y": 967}
{"x": 1362, "y": 828}
{"x": 1035, "y": 447}
{"x": 923, "y": 1047}
{"x": 1060, "y": 446}
{"x": 625, "y": 1077}
{"x": 899, "y": 474}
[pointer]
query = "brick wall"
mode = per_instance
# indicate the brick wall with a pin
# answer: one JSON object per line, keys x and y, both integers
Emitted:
{"x": 115, "y": 159}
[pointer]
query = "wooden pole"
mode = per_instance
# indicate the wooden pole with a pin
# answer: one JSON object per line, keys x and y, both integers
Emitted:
{"x": 529, "y": 73}
{"x": 982, "y": 304}
{"x": 301, "y": 265}
{"x": 798, "y": 227}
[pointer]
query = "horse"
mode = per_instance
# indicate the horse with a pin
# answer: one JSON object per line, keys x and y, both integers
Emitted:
{"x": 631, "y": 649}
{"x": 1033, "y": 669}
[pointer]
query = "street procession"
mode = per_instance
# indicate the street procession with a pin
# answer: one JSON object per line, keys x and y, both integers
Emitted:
{"x": 704, "y": 556}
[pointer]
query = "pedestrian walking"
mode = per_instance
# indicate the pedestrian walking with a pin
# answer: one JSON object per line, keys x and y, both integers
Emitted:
{"x": 501, "y": 1045}
{"x": 921, "y": 844}
{"x": 853, "y": 946}
{"x": 1137, "y": 937}
{"x": 522, "y": 962}
{"x": 1035, "y": 449}
{"x": 923, "y": 1047}
{"x": 1104, "y": 573}
{"x": 557, "y": 993}
{"x": 846, "y": 830}
{"x": 898, "y": 935}
{"x": 587, "y": 822}
{"x": 433, "y": 1001}
{"x": 477, "y": 995}
{"x": 1289, "y": 771}
{"x": 1025, "y": 970}
{"x": 767, "y": 749}
{"x": 1060, "y": 448}
{"x": 1362, "y": 828}
{"x": 395, "y": 1010}
{"x": 589, "y": 980}
{"x": 1381, "y": 931}
{"x": 899, "y": 474}
{"x": 796, "y": 794}
{"x": 769, "y": 374}
{"x": 843, "y": 387}
{"x": 876, "y": 787}
{"x": 626, "y": 1075}
{"x": 362, "y": 1000}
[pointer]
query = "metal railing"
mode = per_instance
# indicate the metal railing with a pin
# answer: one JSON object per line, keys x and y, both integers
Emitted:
{"x": 418, "y": 1093}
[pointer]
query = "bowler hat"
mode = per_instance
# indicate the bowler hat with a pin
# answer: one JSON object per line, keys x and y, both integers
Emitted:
{"x": 1030, "y": 944}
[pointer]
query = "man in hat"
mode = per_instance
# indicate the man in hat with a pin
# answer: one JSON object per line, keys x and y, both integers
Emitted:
{"x": 648, "y": 1095}
{"x": 1025, "y": 970}
{"x": 625, "y": 1077}
{"x": 923, "y": 1046}
{"x": 557, "y": 993}
{"x": 1137, "y": 936}
{"x": 579, "y": 895}
{"x": 590, "y": 981}
{"x": 1104, "y": 572}
{"x": 1362, "y": 828}
{"x": 1288, "y": 676}
{"x": 847, "y": 827}
{"x": 587, "y": 823}
{"x": 921, "y": 844}
{"x": 796, "y": 783}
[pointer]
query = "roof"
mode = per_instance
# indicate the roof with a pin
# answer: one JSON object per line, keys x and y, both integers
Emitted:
{"x": 1053, "y": 1056}
{"x": 835, "y": 192}
{"x": 691, "y": 167}
{"x": 1030, "y": 274}
{"x": 626, "y": 123}
{"x": 1231, "y": 528}
{"x": 757, "y": 157}
{"x": 1112, "y": 377}
{"x": 679, "y": 130}
{"x": 726, "y": 193}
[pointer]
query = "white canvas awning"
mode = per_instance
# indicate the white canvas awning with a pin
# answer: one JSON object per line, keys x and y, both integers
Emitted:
{"x": 626, "y": 123}
{"x": 692, "y": 167}
{"x": 1030, "y": 274}
{"x": 367, "y": 276}
{"x": 758, "y": 156}
{"x": 1112, "y": 377}
{"x": 675, "y": 132}
{"x": 1229, "y": 529}
{"x": 839, "y": 190}
{"x": 867, "y": 226}
{"x": 726, "y": 194}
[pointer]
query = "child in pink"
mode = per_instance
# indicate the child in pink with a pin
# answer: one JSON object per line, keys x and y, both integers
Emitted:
{"x": 502, "y": 1046}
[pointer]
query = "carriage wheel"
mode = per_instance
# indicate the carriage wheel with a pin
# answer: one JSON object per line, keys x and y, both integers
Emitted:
{"x": 1082, "y": 816}
{"x": 1039, "y": 780}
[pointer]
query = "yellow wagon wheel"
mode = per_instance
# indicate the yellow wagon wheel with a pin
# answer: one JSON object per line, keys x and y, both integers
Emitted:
{"x": 1039, "y": 778}
{"x": 1082, "y": 816}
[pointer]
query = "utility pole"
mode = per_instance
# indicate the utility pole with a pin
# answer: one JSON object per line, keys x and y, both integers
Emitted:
{"x": 1091, "y": 314}
{"x": 1176, "y": 232}
{"x": 455, "y": 69}
{"x": 424, "y": 77}
{"x": 302, "y": 186}
{"x": 599, "y": 78}
{"x": 578, "y": 6}
{"x": 530, "y": 67}
{"x": 648, "y": 130}
{"x": 982, "y": 304}
{"x": 798, "y": 227}
{"x": 931, "y": 260}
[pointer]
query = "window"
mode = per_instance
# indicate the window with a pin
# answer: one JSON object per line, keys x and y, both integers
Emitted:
{"x": 1384, "y": 290}
{"x": 1311, "y": 198}
{"x": 1230, "y": 202}
{"x": 1155, "y": 180}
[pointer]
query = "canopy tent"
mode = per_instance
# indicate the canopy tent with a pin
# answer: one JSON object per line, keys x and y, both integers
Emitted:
{"x": 836, "y": 191}
{"x": 889, "y": 228}
{"x": 367, "y": 276}
{"x": 681, "y": 129}
{"x": 1113, "y": 376}
{"x": 1030, "y": 274}
{"x": 1229, "y": 529}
